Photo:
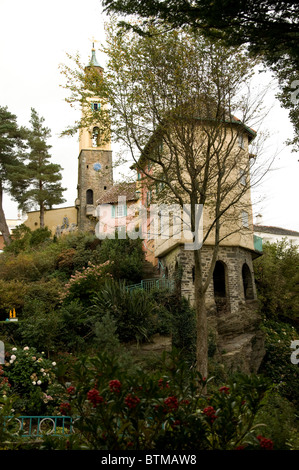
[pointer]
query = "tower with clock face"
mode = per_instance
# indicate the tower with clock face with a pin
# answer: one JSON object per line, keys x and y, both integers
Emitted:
{"x": 95, "y": 174}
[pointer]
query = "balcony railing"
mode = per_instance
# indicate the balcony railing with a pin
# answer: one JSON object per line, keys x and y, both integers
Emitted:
{"x": 150, "y": 284}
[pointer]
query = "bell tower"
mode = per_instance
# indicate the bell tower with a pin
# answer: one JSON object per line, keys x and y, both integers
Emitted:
{"x": 95, "y": 174}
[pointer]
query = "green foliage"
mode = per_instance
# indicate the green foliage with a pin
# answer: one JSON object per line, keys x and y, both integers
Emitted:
{"x": 277, "y": 363}
{"x": 83, "y": 284}
{"x": 127, "y": 256}
{"x": 178, "y": 318}
{"x": 277, "y": 281}
{"x": 44, "y": 188}
{"x": 29, "y": 374}
{"x": 132, "y": 311}
{"x": 12, "y": 296}
{"x": 280, "y": 420}
{"x": 128, "y": 408}
{"x": 12, "y": 168}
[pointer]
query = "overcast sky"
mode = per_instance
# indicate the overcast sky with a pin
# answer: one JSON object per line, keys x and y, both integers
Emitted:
{"x": 34, "y": 39}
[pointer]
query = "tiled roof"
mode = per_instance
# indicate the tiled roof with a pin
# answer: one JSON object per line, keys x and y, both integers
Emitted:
{"x": 275, "y": 230}
{"x": 122, "y": 189}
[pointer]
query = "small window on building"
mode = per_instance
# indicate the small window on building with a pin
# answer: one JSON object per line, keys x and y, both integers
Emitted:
{"x": 245, "y": 219}
{"x": 95, "y": 106}
{"x": 95, "y": 137}
{"x": 89, "y": 197}
{"x": 119, "y": 210}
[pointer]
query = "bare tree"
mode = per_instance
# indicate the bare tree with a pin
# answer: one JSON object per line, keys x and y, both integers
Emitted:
{"x": 173, "y": 98}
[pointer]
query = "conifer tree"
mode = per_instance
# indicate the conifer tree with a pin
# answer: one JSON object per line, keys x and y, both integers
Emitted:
{"x": 44, "y": 177}
{"x": 12, "y": 167}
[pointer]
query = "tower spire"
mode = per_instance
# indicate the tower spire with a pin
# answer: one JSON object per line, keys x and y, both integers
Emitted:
{"x": 93, "y": 61}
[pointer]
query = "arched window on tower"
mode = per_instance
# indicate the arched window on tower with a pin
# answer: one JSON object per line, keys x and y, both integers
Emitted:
{"x": 95, "y": 137}
{"x": 247, "y": 282}
{"x": 89, "y": 197}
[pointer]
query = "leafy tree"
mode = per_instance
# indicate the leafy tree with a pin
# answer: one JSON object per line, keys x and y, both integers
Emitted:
{"x": 277, "y": 276}
{"x": 12, "y": 169}
{"x": 44, "y": 177}
{"x": 268, "y": 28}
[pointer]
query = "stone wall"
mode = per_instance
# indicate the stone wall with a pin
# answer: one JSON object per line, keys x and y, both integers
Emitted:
{"x": 233, "y": 319}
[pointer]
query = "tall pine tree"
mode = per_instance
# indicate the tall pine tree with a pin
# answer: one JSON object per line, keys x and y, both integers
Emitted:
{"x": 12, "y": 167}
{"x": 44, "y": 177}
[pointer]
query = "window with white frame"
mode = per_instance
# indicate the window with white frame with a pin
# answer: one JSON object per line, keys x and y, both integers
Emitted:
{"x": 119, "y": 210}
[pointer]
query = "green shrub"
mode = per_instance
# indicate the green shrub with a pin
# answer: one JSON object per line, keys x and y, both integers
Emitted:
{"x": 277, "y": 363}
{"x": 127, "y": 258}
{"x": 30, "y": 374}
{"x": 277, "y": 281}
{"x": 83, "y": 284}
{"x": 127, "y": 409}
{"x": 12, "y": 296}
{"x": 133, "y": 312}
{"x": 279, "y": 418}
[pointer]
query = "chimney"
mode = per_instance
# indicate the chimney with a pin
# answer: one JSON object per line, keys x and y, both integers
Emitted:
{"x": 259, "y": 219}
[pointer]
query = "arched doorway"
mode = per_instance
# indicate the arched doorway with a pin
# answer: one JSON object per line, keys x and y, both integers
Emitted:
{"x": 220, "y": 287}
{"x": 247, "y": 282}
{"x": 219, "y": 280}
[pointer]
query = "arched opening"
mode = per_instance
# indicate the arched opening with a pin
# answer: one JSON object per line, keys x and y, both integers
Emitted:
{"x": 220, "y": 287}
{"x": 89, "y": 197}
{"x": 95, "y": 136}
{"x": 219, "y": 280}
{"x": 247, "y": 282}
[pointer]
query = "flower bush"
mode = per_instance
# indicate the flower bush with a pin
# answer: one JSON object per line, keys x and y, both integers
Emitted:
{"x": 117, "y": 409}
{"x": 29, "y": 374}
{"x": 85, "y": 282}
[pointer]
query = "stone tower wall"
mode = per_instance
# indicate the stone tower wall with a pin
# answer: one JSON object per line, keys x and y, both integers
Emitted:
{"x": 98, "y": 181}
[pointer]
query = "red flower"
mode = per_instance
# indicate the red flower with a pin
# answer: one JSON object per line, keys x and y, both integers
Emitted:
{"x": 175, "y": 423}
{"x": 266, "y": 444}
{"x": 65, "y": 408}
{"x": 94, "y": 397}
{"x": 185, "y": 402}
{"x": 224, "y": 390}
{"x": 71, "y": 390}
{"x": 209, "y": 411}
{"x": 115, "y": 386}
{"x": 161, "y": 384}
{"x": 131, "y": 401}
{"x": 171, "y": 403}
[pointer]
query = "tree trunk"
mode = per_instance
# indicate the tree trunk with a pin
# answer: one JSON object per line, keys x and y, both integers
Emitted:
{"x": 3, "y": 225}
{"x": 42, "y": 215}
{"x": 201, "y": 318}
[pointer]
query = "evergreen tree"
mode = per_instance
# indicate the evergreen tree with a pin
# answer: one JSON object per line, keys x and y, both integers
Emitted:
{"x": 12, "y": 167}
{"x": 44, "y": 177}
